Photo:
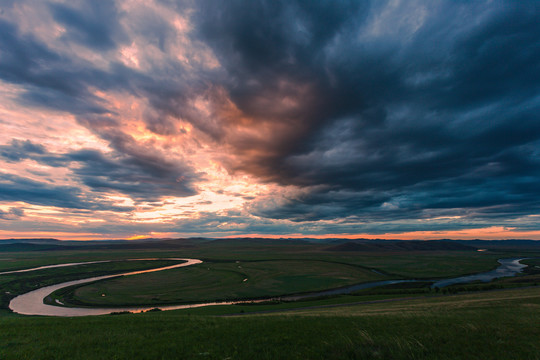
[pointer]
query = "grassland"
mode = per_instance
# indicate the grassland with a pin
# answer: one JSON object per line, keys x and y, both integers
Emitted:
{"x": 279, "y": 272}
{"x": 418, "y": 264}
{"x": 406, "y": 321}
{"x": 494, "y": 325}
{"x": 29, "y": 259}
{"x": 222, "y": 281}
{"x": 18, "y": 283}
{"x": 270, "y": 269}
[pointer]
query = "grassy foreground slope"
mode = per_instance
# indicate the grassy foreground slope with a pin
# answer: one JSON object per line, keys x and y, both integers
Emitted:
{"x": 490, "y": 325}
{"x": 481, "y": 325}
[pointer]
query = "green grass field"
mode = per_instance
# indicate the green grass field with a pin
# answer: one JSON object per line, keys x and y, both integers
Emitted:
{"x": 405, "y": 321}
{"x": 270, "y": 269}
{"x": 223, "y": 281}
{"x": 19, "y": 283}
{"x": 493, "y": 325}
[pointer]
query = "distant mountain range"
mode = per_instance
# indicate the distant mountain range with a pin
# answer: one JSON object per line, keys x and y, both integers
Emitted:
{"x": 29, "y": 241}
{"x": 54, "y": 244}
{"x": 48, "y": 244}
{"x": 411, "y": 245}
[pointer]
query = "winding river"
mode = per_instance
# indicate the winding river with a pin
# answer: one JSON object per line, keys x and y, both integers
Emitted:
{"x": 32, "y": 303}
{"x": 507, "y": 267}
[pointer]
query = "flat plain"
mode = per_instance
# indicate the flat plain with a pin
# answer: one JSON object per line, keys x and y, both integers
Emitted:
{"x": 497, "y": 320}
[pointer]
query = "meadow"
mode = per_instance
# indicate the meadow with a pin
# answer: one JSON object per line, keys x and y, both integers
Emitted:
{"x": 19, "y": 283}
{"x": 212, "y": 281}
{"x": 494, "y": 325}
{"x": 401, "y": 321}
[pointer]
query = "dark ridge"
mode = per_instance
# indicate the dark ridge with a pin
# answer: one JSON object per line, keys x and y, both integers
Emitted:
{"x": 502, "y": 244}
{"x": 97, "y": 245}
{"x": 259, "y": 241}
{"x": 153, "y": 244}
{"x": 413, "y": 245}
{"x": 29, "y": 241}
{"x": 34, "y": 247}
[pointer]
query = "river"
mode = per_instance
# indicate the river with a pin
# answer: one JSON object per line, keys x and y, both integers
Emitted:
{"x": 32, "y": 303}
{"x": 507, "y": 267}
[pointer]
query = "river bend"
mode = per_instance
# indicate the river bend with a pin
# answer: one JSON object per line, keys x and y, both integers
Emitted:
{"x": 32, "y": 303}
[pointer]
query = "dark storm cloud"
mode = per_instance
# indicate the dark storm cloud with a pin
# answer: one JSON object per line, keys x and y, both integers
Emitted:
{"x": 437, "y": 113}
{"x": 146, "y": 177}
{"x": 94, "y": 24}
{"x": 53, "y": 80}
{"x": 499, "y": 198}
{"x": 274, "y": 51}
{"x": 142, "y": 175}
{"x": 373, "y": 110}
{"x": 19, "y": 149}
{"x": 11, "y": 214}
{"x": 63, "y": 81}
{"x": 17, "y": 188}
{"x": 67, "y": 81}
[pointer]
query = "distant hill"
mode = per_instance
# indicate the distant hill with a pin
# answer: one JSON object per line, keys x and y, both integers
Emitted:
{"x": 411, "y": 245}
{"x": 335, "y": 244}
{"x": 502, "y": 244}
{"x": 33, "y": 247}
{"x": 30, "y": 241}
{"x": 53, "y": 244}
{"x": 259, "y": 241}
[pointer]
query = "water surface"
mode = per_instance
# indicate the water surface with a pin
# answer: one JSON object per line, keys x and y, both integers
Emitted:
{"x": 508, "y": 267}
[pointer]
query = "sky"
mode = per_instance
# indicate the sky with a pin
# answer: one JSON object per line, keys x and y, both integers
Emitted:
{"x": 352, "y": 119}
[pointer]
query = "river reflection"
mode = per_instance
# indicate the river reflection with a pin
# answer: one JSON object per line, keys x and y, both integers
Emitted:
{"x": 508, "y": 267}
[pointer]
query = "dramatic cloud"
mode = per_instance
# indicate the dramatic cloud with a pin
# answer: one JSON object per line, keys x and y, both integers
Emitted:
{"x": 11, "y": 214}
{"x": 16, "y": 188}
{"x": 93, "y": 24}
{"x": 270, "y": 117}
{"x": 142, "y": 175}
{"x": 438, "y": 112}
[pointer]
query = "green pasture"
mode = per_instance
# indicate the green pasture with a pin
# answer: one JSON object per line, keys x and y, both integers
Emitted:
{"x": 29, "y": 259}
{"x": 271, "y": 269}
{"x": 430, "y": 265}
{"x": 402, "y": 321}
{"x": 19, "y": 283}
{"x": 231, "y": 280}
{"x": 222, "y": 281}
{"x": 492, "y": 325}
{"x": 408, "y": 264}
